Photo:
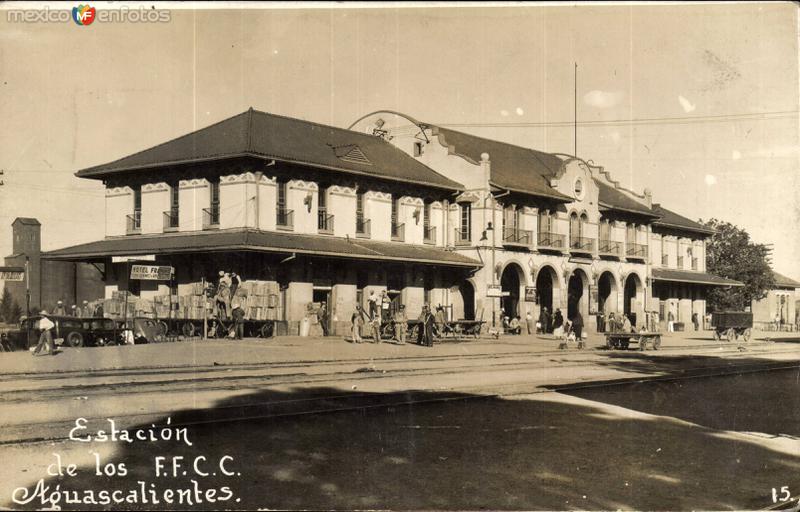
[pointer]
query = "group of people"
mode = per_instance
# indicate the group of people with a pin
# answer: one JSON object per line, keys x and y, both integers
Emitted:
{"x": 229, "y": 302}
{"x": 556, "y": 324}
{"x": 86, "y": 311}
{"x": 368, "y": 323}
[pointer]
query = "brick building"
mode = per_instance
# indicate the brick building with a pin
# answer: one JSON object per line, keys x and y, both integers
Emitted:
{"x": 50, "y": 281}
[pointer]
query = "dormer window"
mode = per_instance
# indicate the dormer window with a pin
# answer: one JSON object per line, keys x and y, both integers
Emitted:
{"x": 578, "y": 189}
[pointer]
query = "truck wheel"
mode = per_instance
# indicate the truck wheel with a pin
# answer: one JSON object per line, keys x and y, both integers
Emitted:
{"x": 75, "y": 339}
{"x": 746, "y": 334}
{"x": 267, "y": 330}
{"x": 730, "y": 335}
{"x": 188, "y": 329}
{"x": 716, "y": 335}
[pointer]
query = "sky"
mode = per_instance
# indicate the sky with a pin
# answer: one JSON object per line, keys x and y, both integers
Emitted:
{"x": 697, "y": 102}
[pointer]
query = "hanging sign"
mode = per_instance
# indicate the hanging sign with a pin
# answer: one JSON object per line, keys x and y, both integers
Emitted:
{"x": 530, "y": 294}
{"x": 151, "y": 272}
{"x": 494, "y": 290}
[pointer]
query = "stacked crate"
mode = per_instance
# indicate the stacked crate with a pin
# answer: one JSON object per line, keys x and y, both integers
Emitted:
{"x": 191, "y": 305}
{"x": 258, "y": 305}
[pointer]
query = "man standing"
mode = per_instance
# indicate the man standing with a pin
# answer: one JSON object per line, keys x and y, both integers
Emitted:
{"x": 372, "y": 304}
{"x": 385, "y": 303}
{"x": 98, "y": 311}
{"x": 439, "y": 320}
{"x": 670, "y": 322}
{"x": 544, "y": 320}
{"x": 426, "y": 327}
{"x": 322, "y": 318}
{"x": 45, "y": 335}
{"x": 358, "y": 323}
{"x": 400, "y": 324}
{"x": 577, "y": 325}
{"x": 530, "y": 323}
{"x": 237, "y": 311}
{"x": 60, "y": 310}
{"x": 376, "y": 328}
{"x": 695, "y": 321}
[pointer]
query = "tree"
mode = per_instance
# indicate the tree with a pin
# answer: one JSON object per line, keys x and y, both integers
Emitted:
{"x": 731, "y": 254}
{"x": 16, "y": 313}
{"x": 6, "y": 306}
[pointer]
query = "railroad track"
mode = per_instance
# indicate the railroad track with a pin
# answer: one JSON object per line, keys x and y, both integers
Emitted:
{"x": 356, "y": 401}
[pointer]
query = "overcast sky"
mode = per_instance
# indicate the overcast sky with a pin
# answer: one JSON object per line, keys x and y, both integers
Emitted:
{"x": 713, "y": 88}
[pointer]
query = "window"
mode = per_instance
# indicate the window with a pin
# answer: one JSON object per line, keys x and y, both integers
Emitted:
{"x": 397, "y": 228}
{"x": 171, "y": 217}
{"x": 578, "y": 189}
{"x": 544, "y": 221}
{"x": 426, "y": 216}
{"x": 395, "y": 210}
{"x": 214, "y": 202}
{"x": 466, "y": 221}
{"x": 282, "y": 214}
{"x": 362, "y": 225}
{"x": 324, "y": 221}
{"x": 135, "y": 219}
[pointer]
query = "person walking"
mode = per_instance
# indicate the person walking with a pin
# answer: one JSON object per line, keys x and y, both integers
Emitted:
{"x": 45, "y": 326}
{"x": 670, "y": 322}
{"x": 577, "y": 325}
{"x": 376, "y": 329}
{"x": 60, "y": 310}
{"x": 558, "y": 321}
{"x": 358, "y": 323}
{"x": 400, "y": 324}
{"x": 322, "y": 317}
{"x": 695, "y": 321}
{"x": 439, "y": 321}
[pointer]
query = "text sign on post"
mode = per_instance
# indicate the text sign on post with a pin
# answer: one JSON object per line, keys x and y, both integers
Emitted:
{"x": 151, "y": 272}
{"x": 494, "y": 290}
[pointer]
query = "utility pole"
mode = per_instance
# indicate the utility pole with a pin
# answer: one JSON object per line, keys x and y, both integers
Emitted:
{"x": 575, "y": 110}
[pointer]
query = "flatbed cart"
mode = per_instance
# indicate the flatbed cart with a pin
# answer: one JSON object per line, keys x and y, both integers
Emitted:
{"x": 622, "y": 340}
{"x": 217, "y": 328}
{"x": 731, "y": 325}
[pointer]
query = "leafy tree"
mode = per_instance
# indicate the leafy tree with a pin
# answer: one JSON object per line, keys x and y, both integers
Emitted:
{"x": 5, "y": 306}
{"x": 16, "y": 313}
{"x": 731, "y": 254}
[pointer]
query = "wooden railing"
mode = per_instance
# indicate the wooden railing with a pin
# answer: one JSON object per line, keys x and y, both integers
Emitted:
{"x": 610, "y": 248}
{"x": 284, "y": 218}
{"x": 637, "y": 251}
{"x": 462, "y": 237}
{"x": 429, "y": 234}
{"x": 325, "y": 223}
{"x": 398, "y": 232}
{"x": 581, "y": 244}
{"x": 546, "y": 240}
{"x": 210, "y": 218}
{"x": 171, "y": 220}
{"x": 363, "y": 228}
{"x": 134, "y": 223}
{"x": 514, "y": 236}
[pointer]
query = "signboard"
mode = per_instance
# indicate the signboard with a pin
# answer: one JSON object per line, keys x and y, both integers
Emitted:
{"x": 124, "y": 259}
{"x": 151, "y": 272}
{"x": 494, "y": 290}
{"x": 530, "y": 294}
{"x": 593, "y": 300}
{"x": 12, "y": 275}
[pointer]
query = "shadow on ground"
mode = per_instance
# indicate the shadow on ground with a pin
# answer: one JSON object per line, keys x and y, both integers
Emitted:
{"x": 538, "y": 452}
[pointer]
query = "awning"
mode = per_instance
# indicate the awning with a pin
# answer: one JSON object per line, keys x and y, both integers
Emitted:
{"x": 260, "y": 241}
{"x": 688, "y": 276}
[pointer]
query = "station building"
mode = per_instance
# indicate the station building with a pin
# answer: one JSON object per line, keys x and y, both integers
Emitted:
{"x": 431, "y": 215}
{"x": 781, "y": 302}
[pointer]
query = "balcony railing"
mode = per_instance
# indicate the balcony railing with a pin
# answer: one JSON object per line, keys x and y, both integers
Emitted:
{"x": 637, "y": 251}
{"x": 462, "y": 237}
{"x": 694, "y": 263}
{"x": 581, "y": 244}
{"x": 429, "y": 234}
{"x": 325, "y": 223}
{"x": 171, "y": 220}
{"x": 398, "y": 232}
{"x": 134, "y": 223}
{"x": 211, "y": 217}
{"x": 284, "y": 219}
{"x": 664, "y": 260}
{"x": 519, "y": 237}
{"x": 363, "y": 228}
{"x": 552, "y": 241}
{"x": 680, "y": 261}
{"x": 610, "y": 248}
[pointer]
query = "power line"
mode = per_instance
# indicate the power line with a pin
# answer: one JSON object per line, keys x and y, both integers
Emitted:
{"x": 758, "y": 116}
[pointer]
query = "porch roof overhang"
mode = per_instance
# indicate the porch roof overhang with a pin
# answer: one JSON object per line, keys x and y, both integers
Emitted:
{"x": 687, "y": 276}
{"x": 251, "y": 240}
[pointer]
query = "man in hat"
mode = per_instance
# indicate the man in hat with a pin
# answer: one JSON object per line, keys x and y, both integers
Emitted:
{"x": 400, "y": 324}
{"x": 322, "y": 317}
{"x": 86, "y": 311}
{"x": 45, "y": 325}
{"x": 358, "y": 324}
{"x": 60, "y": 310}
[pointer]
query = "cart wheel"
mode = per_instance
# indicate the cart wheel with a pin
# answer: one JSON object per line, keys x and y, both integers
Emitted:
{"x": 188, "y": 329}
{"x": 717, "y": 336}
{"x": 657, "y": 343}
{"x": 267, "y": 330}
{"x": 162, "y": 328}
{"x": 746, "y": 334}
{"x": 730, "y": 335}
{"x": 75, "y": 339}
{"x": 642, "y": 344}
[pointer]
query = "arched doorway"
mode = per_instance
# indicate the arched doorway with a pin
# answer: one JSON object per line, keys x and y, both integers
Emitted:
{"x": 511, "y": 282}
{"x": 546, "y": 280}
{"x": 631, "y": 303}
{"x": 467, "y": 292}
{"x": 606, "y": 293}
{"x": 577, "y": 294}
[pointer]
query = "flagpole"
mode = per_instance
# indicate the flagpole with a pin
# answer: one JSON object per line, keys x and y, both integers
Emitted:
{"x": 575, "y": 110}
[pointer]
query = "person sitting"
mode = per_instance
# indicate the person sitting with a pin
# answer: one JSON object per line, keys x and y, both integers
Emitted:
{"x": 514, "y": 326}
